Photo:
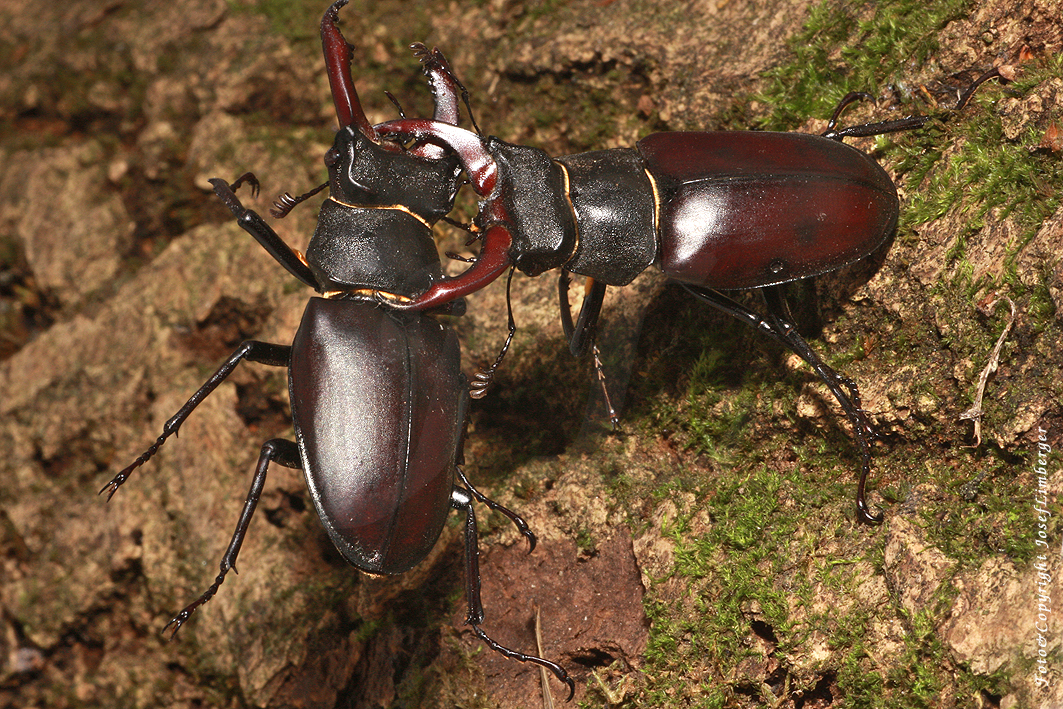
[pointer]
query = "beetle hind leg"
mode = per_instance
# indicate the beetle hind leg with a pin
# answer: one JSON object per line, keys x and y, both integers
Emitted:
{"x": 277, "y": 450}
{"x": 901, "y": 124}
{"x": 777, "y": 326}
{"x": 461, "y": 499}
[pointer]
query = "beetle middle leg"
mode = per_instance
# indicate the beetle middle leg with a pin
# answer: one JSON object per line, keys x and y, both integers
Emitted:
{"x": 277, "y": 450}
{"x": 252, "y": 351}
{"x": 515, "y": 518}
{"x": 777, "y": 325}
{"x": 461, "y": 499}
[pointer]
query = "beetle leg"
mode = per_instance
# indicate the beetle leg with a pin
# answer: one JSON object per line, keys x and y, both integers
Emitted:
{"x": 850, "y": 97}
{"x": 515, "y": 518}
{"x": 286, "y": 203}
{"x": 879, "y": 128}
{"x": 482, "y": 378}
{"x": 277, "y": 450}
{"x": 994, "y": 73}
{"x": 867, "y": 129}
{"x": 844, "y": 389}
{"x": 255, "y": 226}
{"x": 863, "y": 431}
{"x": 461, "y": 499}
{"x": 581, "y": 334}
{"x": 251, "y": 350}
{"x": 909, "y": 123}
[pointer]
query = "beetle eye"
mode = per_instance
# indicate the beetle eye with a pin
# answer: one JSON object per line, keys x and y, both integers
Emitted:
{"x": 332, "y": 157}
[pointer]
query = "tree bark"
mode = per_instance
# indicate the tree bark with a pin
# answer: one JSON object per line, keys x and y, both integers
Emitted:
{"x": 708, "y": 553}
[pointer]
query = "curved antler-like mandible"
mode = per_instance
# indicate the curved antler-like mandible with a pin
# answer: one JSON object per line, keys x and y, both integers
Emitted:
{"x": 338, "y": 63}
{"x": 494, "y": 218}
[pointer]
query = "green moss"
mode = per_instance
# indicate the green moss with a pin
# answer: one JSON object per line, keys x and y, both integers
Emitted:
{"x": 728, "y": 407}
{"x": 861, "y": 687}
{"x": 987, "y": 173}
{"x": 748, "y": 574}
{"x": 296, "y": 20}
{"x": 1040, "y": 308}
{"x": 838, "y": 52}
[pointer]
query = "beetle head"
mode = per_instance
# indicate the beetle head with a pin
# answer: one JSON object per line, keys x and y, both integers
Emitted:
{"x": 365, "y": 173}
{"x": 364, "y": 169}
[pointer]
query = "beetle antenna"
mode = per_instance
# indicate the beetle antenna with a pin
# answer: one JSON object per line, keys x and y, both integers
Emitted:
{"x": 286, "y": 203}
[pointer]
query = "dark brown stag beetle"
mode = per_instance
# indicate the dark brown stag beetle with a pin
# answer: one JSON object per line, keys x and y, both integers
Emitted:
{"x": 713, "y": 211}
{"x": 377, "y": 394}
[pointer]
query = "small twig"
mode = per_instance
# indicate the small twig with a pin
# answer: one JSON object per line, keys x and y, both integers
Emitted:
{"x": 548, "y": 698}
{"x": 975, "y": 412}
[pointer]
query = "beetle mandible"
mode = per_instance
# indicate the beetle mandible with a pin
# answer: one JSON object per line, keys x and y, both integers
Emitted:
{"x": 377, "y": 395}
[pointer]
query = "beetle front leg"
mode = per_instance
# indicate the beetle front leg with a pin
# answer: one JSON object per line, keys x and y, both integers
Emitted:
{"x": 844, "y": 389}
{"x": 461, "y": 499}
{"x": 254, "y": 225}
{"x": 483, "y": 378}
{"x": 252, "y": 351}
{"x": 581, "y": 334}
{"x": 277, "y": 450}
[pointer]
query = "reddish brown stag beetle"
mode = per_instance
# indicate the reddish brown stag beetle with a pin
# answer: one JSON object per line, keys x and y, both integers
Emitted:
{"x": 377, "y": 394}
{"x": 713, "y": 211}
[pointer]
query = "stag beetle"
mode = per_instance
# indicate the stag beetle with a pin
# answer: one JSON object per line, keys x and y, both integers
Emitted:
{"x": 377, "y": 394}
{"x": 713, "y": 211}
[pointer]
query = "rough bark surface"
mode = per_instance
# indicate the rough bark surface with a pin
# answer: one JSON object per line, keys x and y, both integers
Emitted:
{"x": 125, "y": 283}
